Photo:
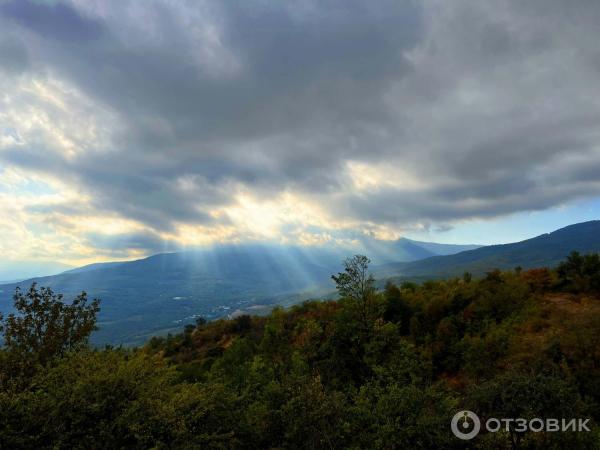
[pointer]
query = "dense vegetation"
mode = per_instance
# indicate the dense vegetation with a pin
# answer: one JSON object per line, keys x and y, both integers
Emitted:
{"x": 376, "y": 369}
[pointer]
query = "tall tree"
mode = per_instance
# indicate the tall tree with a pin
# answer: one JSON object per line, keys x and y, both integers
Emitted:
{"x": 45, "y": 327}
{"x": 357, "y": 285}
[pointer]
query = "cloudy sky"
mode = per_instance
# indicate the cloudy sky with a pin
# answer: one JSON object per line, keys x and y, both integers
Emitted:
{"x": 129, "y": 127}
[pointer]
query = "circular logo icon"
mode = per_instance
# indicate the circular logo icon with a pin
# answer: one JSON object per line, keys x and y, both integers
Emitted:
{"x": 461, "y": 425}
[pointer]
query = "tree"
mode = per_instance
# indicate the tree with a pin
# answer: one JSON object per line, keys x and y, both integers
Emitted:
{"x": 580, "y": 273}
{"x": 396, "y": 308}
{"x": 539, "y": 280}
{"x": 45, "y": 327}
{"x": 357, "y": 285}
{"x": 355, "y": 282}
{"x": 530, "y": 394}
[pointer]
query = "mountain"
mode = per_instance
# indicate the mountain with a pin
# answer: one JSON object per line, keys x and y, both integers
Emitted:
{"x": 404, "y": 250}
{"x": 161, "y": 293}
{"x": 441, "y": 249}
{"x": 545, "y": 250}
{"x": 94, "y": 266}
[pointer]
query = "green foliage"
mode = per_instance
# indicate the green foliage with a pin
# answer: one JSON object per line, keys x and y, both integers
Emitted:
{"x": 529, "y": 395}
{"x": 355, "y": 282}
{"x": 395, "y": 415}
{"x": 384, "y": 370}
{"x": 357, "y": 286}
{"x": 45, "y": 327}
{"x": 580, "y": 273}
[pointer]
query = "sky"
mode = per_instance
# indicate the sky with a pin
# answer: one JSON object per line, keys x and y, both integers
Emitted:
{"x": 128, "y": 128}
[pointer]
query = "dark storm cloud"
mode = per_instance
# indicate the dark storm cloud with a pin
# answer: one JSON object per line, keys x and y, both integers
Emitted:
{"x": 305, "y": 86}
{"x": 491, "y": 105}
{"x": 117, "y": 245}
{"x": 52, "y": 20}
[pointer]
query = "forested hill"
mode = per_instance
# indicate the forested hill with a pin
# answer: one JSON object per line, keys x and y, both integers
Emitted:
{"x": 375, "y": 370}
{"x": 546, "y": 250}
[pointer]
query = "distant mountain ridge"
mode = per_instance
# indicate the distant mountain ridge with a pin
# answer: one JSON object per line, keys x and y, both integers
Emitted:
{"x": 160, "y": 293}
{"x": 380, "y": 251}
{"x": 544, "y": 250}
{"x": 443, "y": 249}
{"x": 405, "y": 250}
{"x": 94, "y": 266}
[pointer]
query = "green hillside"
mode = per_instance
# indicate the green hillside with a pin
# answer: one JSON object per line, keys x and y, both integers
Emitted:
{"x": 541, "y": 251}
{"x": 375, "y": 370}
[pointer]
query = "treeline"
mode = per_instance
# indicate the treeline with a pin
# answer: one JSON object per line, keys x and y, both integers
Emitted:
{"x": 376, "y": 369}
